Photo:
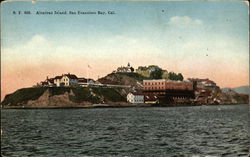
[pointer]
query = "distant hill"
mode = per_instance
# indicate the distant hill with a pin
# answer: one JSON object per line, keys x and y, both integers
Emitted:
{"x": 243, "y": 89}
{"x": 240, "y": 90}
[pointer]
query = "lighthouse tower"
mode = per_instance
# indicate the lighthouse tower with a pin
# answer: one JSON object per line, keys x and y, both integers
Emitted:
{"x": 128, "y": 65}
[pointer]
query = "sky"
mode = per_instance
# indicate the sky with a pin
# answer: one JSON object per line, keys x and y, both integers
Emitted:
{"x": 197, "y": 39}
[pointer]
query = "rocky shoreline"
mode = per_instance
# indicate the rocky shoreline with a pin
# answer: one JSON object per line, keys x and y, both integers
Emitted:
{"x": 31, "y": 98}
{"x": 111, "y": 105}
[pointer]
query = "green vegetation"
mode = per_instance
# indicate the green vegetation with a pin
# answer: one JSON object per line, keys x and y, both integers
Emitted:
{"x": 135, "y": 76}
{"x": 132, "y": 69}
{"x": 82, "y": 94}
{"x": 77, "y": 95}
{"x": 146, "y": 71}
{"x": 23, "y": 95}
{"x": 174, "y": 76}
{"x": 157, "y": 74}
{"x": 109, "y": 94}
{"x": 58, "y": 90}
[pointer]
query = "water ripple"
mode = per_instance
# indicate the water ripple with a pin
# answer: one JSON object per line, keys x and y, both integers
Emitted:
{"x": 176, "y": 131}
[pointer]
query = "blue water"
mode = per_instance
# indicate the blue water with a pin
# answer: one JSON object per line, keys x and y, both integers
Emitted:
{"x": 149, "y": 131}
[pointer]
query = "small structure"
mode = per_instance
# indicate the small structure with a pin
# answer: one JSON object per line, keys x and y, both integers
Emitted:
{"x": 84, "y": 82}
{"x": 127, "y": 69}
{"x": 48, "y": 82}
{"x": 151, "y": 99}
{"x": 135, "y": 98}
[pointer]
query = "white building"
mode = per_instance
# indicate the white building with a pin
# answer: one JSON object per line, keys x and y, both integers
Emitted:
{"x": 84, "y": 82}
{"x": 66, "y": 80}
{"x": 127, "y": 69}
{"x": 135, "y": 98}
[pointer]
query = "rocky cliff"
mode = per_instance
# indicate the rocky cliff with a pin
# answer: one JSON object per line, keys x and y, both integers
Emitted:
{"x": 54, "y": 97}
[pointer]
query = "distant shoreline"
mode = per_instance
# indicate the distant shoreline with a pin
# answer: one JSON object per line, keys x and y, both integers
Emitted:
{"x": 129, "y": 106}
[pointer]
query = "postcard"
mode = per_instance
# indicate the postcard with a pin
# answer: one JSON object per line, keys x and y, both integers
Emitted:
{"x": 125, "y": 78}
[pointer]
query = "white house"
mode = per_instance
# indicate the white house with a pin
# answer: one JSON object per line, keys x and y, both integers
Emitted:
{"x": 66, "y": 80}
{"x": 57, "y": 81}
{"x": 135, "y": 98}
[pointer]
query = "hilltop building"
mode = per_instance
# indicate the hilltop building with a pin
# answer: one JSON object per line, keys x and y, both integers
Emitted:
{"x": 61, "y": 81}
{"x": 66, "y": 80}
{"x": 48, "y": 82}
{"x": 122, "y": 69}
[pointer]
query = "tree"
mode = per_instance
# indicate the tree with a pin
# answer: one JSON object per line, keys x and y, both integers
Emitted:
{"x": 174, "y": 76}
{"x": 132, "y": 69}
{"x": 157, "y": 74}
{"x": 180, "y": 77}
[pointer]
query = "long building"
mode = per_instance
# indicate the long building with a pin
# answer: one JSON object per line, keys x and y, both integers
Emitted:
{"x": 167, "y": 90}
{"x": 162, "y": 84}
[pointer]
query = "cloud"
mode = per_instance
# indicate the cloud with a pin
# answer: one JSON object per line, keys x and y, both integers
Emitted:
{"x": 37, "y": 50}
{"x": 40, "y": 50}
{"x": 184, "y": 21}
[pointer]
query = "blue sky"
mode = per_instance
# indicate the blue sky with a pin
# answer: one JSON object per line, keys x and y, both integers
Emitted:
{"x": 198, "y": 39}
{"x": 131, "y": 17}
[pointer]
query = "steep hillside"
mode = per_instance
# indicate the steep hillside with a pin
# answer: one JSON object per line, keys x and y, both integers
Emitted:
{"x": 130, "y": 79}
{"x": 61, "y": 97}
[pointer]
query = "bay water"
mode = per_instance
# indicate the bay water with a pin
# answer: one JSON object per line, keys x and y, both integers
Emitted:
{"x": 136, "y": 131}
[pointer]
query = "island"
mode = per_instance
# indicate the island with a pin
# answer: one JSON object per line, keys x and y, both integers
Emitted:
{"x": 124, "y": 87}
